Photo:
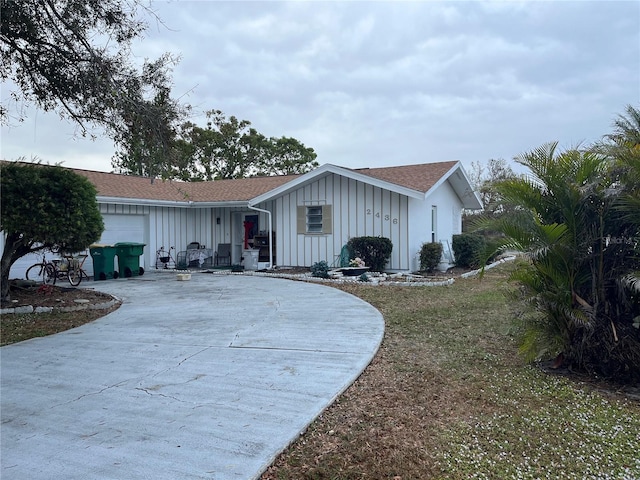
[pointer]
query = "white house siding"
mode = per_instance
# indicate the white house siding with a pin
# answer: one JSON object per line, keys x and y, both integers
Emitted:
{"x": 163, "y": 227}
{"x": 359, "y": 210}
{"x": 449, "y": 220}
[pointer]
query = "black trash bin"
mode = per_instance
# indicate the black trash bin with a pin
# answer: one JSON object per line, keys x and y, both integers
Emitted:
{"x": 103, "y": 260}
{"x": 129, "y": 258}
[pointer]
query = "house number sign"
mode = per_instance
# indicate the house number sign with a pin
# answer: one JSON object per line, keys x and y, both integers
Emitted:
{"x": 386, "y": 217}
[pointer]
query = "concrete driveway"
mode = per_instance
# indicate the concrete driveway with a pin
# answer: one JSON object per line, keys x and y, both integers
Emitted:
{"x": 205, "y": 379}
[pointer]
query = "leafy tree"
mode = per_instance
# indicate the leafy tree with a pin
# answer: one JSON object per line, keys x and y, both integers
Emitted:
{"x": 44, "y": 207}
{"x": 73, "y": 57}
{"x": 230, "y": 148}
{"x": 147, "y": 146}
{"x": 581, "y": 246}
{"x": 287, "y": 156}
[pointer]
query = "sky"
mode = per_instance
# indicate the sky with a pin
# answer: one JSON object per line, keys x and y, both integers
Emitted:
{"x": 382, "y": 83}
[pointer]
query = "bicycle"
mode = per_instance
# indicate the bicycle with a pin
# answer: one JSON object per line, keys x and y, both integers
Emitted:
{"x": 75, "y": 273}
{"x": 44, "y": 272}
{"x": 69, "y": 267}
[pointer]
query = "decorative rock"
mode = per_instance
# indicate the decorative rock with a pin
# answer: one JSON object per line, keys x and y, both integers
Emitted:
{"x": 25, "y": 309}
{"x": 81, "y": 300}
{"x": 43, "y": 310}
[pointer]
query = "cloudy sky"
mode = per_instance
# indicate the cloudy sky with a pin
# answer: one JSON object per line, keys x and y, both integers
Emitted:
{"x": 370, "y": 84}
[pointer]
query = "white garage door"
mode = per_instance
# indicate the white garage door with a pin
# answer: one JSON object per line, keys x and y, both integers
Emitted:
{"x": 121, "y": 228}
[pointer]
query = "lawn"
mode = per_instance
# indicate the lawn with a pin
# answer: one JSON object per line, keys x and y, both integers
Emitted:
{"x": 447, "y": 396}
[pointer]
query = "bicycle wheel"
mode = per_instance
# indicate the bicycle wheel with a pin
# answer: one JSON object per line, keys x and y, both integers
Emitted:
{"x": 74, "y": 275}
{"x": 34, "y": 272}
{"x": 50, "y": 274}
{"x": 42, "y": 273}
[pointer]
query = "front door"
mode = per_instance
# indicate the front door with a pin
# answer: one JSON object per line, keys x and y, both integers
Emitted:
{"x": 243, "y": 226}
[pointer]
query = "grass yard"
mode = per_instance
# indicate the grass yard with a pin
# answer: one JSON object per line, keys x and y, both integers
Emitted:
{"x": 448, "y": 397}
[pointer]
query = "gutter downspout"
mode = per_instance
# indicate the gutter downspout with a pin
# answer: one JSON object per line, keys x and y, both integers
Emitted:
{"x": 269, "y": 233}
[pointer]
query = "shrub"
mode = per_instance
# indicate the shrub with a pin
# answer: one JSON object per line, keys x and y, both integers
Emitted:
{"x": 320, "y": 269}
{"x": 430, "y": 255}
{"x": 375, "y": 251}
{"x": 468, "y": 249}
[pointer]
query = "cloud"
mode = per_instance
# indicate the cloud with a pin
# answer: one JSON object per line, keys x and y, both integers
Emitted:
{"x": 388, "y": 83}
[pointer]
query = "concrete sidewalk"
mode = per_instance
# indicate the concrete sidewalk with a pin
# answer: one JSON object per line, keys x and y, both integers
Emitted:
{"x": 205, "y": 379}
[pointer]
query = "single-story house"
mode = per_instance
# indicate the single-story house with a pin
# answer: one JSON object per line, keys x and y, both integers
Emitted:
{"x": 308, "y": 217}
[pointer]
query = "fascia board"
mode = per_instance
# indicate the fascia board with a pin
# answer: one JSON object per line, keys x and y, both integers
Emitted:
{"x": 328, "y": 168}
{"x": 168, "y": 203}
{"x": 469, "y": 197}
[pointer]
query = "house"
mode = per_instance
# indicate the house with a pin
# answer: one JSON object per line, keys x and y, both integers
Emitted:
{"x": 308, "y": 217}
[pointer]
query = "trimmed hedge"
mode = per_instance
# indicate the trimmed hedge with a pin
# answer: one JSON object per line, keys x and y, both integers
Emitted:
{"x": 375, "y": 251}
{"x": 468, "y": 249}
{"x": 430, "y": 255}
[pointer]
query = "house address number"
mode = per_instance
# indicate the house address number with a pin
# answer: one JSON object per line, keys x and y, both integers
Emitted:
{"x": 386, "y": 217}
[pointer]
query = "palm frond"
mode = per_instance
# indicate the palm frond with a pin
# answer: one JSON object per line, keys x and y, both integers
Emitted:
{"x": 631, "y": 282}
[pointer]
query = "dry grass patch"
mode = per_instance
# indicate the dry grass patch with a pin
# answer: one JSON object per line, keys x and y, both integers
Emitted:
{"x": 16, "y": 328}
{"x": 447, "y": 383}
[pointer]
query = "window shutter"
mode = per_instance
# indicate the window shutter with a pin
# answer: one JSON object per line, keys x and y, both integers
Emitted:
{"x": 302, "y": 219}
{"x": 327, "y": 221}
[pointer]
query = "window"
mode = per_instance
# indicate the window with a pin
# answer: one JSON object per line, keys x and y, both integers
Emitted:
{"x": 314, "y": 219}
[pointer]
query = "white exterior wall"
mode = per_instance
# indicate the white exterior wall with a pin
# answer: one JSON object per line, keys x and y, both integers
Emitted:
{"x": 161, "y": 227}
{"x": 448, "y": 220}
{"x": 167, "y": 227}
{"x": 358, "y": 209}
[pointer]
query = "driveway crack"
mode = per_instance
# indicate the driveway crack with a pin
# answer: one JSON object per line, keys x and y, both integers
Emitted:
{"x": 115, "y": 385}
{"x": 153, "y": 394}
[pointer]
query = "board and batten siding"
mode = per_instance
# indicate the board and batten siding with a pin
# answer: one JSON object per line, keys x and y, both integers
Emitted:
{"x": 357, "y": 209}
{"x": 167, "y": 227}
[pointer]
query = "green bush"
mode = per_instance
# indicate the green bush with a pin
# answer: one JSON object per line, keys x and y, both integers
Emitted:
{"x": 430, "y": 255}
{"x": 320, "y": 269}
{"x": 468, "y": 249}
{"x": 375, "y": 251}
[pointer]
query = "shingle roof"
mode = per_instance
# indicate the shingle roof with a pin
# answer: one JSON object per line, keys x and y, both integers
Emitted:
{"x": 130, "y": 186}
{"x": 417, "y": 177}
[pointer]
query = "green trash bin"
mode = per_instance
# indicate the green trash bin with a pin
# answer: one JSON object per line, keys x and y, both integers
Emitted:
{"x": 129, "y": 258}
{"x": 103, "y": 258}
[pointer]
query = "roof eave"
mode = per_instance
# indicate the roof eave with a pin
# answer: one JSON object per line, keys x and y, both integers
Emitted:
{"x": 458, "y": 179}
{"x": 170, "y": 203}
{"x": 327, "y": 169}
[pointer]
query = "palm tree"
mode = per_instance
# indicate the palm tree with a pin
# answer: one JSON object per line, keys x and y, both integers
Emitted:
{"x": 626, "y": 129}
{"x": 570, "y": 220}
